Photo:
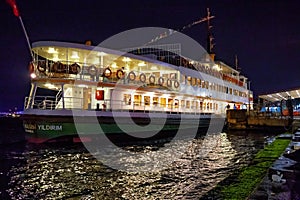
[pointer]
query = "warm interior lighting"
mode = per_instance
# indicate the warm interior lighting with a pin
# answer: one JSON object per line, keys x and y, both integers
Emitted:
{"x": 101, "y": 54}
{"x": 50, "y": 86}
{"x": 52, "y": 50}
{"x": 216, "y": 67}
{"x": 55, "y": 57}
{"x": 114, "y": 65}
{"x": 33, "y": 75}
{"x": 154, "y": 67}
{"x": 142, "y": 64}
{"x": 297, "y": 93}
{"x": 74, "y": 55}
{"x": 126, "y": 59}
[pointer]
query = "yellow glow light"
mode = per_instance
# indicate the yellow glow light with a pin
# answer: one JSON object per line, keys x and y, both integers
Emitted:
{"x": 141, "y": 64}
{"x": 74, "y": 55}
{"x": 49, "y": 85}
{"x": 114, "y": 65}
{"x": 52, "y": 50}
{"x": 126, "y": 59}
{"x": 33, "y": 75}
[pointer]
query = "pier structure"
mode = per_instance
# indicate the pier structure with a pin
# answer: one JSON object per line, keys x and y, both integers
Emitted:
{"x": 279, "y": 110}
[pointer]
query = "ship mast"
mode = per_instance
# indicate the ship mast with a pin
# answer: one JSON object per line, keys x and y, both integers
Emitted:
{"x": 167, "y": 34}
{"x": 210, "y": 38}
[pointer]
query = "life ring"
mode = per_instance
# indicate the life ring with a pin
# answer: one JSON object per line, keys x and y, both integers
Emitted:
{"x": 92, "y": 70}
{"x": 176, "y": 84}
{"x": 74, "y": 69}
{"x": 161, "y": 81}
{"x": 107, "y": 72}
{"x": 142, "y": 78}
{"x": 120, "y": 74}
{"x": 131, "y": 76}
{"x": 169, "y": 82}
{"x": 151, "y": 79}
{"x": 31, "y": 67}
{"x": 41, "y": 66}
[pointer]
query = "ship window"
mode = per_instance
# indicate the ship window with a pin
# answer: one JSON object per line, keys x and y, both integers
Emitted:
{"x": 137, "y": 100}
{"x": 173, "y": 76}
{"x": 203, "y": 84}
{"x": 155, "y": 101}
{"x": 163, "y": 102}
{"x": 176, "y": 103}
{"x": 127, "y": 99}
{"x": 189, "y": 80}
{"x": 193, "y": 104}
{"x": 147, "y": 100}
{"x": 194, "y": 81}
{"x": 182, "y": 103}
{"x": 206, "y": 84}
{"x": 170, "y": 103}
{"x": 188, "y": 104}
{"x": 201, "y": 105}
{"x": 199, "y": 82}
{"x": 234, "y": 92}
{"x": 182, "y": 79}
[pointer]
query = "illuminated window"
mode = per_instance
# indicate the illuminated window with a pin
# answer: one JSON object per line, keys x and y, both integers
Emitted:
{"x": 189, "y": 80}
{"x": 137, "y": 100}
{"x": 199, "y": 82}
{"x": 127, "y": 99}
{"x": 176, "y": 103}
{"x": 182, "y": 103}
{"x": 163, "y": 102}
{"x": 188, "y": 104}
{"x": 155, "y": 101}
{"x": 194, "y": 81}
{"x": 170, "y": 103}
{"x": 147, "y": 100}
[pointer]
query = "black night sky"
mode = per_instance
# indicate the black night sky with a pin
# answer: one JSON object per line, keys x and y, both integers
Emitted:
{"x": 264, "y": 34}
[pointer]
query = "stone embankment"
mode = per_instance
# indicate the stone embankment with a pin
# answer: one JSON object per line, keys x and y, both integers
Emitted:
{"x": 245, "y": 120}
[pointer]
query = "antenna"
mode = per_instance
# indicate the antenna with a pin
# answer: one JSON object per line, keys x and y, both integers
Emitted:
{"x": 236, "y": 63}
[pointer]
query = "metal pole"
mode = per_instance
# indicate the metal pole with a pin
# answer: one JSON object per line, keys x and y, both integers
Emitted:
{"x": 63, "y": 95}
{"x": 27, "y": 39}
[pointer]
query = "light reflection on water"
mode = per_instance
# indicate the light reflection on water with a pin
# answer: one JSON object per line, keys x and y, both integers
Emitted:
{"x": 71, "y": 172}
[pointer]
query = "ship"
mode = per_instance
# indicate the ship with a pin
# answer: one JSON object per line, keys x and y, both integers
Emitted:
{"x": 153, "y": 92}
{"x": 84, "y": 88}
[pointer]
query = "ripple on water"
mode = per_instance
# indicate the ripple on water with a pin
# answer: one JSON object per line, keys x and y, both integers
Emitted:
{"x": 71, "y": 172}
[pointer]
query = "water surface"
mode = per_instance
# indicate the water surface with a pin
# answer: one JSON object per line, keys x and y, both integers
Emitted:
{"x": 69, "y": 171}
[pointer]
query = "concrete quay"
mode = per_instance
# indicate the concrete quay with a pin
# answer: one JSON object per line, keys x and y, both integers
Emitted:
{"x": 245, "y": 120}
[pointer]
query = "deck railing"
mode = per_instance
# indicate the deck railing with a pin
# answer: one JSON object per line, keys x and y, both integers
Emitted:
{"x": 96, "y": 73}
{"x": 50, "y": 103}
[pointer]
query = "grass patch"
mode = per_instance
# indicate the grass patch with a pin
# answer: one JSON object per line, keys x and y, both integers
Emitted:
{"x": 249, "y": 177}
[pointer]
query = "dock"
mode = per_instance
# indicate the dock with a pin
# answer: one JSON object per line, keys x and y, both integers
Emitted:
{"x": 251, "y": 120}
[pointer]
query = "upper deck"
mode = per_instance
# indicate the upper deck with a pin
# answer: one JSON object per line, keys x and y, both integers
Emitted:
{"x": 149, "y": 65}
